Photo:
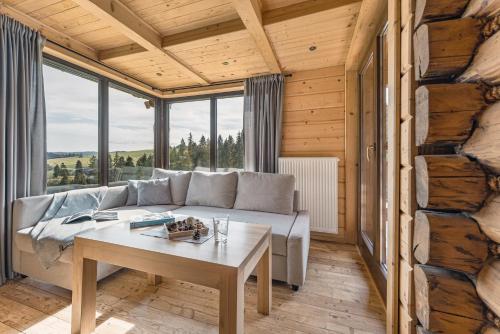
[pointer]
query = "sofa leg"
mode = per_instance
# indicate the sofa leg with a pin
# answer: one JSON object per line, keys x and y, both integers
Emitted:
{"x": 295, "y": 287}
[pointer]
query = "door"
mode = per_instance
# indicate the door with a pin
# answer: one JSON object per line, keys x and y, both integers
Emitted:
{"x": 373, "y": 205}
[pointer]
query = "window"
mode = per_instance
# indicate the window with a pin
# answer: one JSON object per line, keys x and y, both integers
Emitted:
{"x": 89, "y": 117}
{"x": 72, "y": 108}
{"x": 131, "y": 137}
{"x": 190, "y": 135}
{"x": 230, "y": 144}
{"x": 192, "y": 125}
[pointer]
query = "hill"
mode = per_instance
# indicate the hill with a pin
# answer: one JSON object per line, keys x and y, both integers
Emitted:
{"x": 70, "y": 158}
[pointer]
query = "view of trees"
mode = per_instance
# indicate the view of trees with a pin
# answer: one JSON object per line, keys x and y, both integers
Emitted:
{"x": 76, "y": 170}
{"x": 189, "y": 155}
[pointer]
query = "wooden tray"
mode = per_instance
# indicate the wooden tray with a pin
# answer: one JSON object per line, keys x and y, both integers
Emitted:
{"x": 184, "y": 234}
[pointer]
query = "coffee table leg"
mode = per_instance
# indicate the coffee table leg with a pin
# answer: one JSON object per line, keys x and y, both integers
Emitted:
{"x": 154, "y": 279}
{"x": 84, "y": 293}
{"x": 232, "y": 303}
{"x": 264, "y": 283}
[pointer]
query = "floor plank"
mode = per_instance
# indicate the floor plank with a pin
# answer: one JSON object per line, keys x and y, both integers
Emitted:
{"x": 338, "y": 297}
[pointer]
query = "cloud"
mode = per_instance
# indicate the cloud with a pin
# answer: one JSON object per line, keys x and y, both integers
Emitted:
{"x": 72, "y": 116}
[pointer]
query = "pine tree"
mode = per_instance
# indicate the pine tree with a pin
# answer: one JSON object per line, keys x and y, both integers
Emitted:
{"x": 129, "y": 162}
{"x": 64, "y": 174}
{"x": 149, "y": 161}
{"x": 57, "y": 170}
{"x": 79, "y": 177}
{"x": 92, "y": 162}
{"x": 240, "y": 149}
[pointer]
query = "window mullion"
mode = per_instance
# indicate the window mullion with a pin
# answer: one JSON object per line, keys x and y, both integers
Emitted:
{"x": 213, "y": 134}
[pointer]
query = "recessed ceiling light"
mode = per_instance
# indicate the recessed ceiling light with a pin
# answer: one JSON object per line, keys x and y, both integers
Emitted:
{"x": 312, "y": 48}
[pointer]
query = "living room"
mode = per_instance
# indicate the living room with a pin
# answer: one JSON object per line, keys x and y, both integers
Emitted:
{"x": 249, "y": 166}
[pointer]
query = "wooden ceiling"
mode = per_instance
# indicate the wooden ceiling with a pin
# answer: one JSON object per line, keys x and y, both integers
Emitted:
{"x": 165, "y": 44}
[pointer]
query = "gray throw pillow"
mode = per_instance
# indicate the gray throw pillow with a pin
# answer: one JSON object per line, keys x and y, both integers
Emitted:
{"x": 179, "y": 183}
{"x": 132, "y": 192}
{"x": 153, "y": 192}
{"x": 212, "y": 189}
{"x": 265, "y": 192}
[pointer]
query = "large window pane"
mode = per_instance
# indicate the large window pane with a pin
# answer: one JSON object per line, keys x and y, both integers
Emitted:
{"x": 190, "y": 135}
{"x": 230, "y": 146}
{"x": 131, "y": 137}
{"x": 72, "y": 129}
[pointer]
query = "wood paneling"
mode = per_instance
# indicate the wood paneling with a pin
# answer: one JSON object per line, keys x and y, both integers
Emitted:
{"x": 314, "y": 122}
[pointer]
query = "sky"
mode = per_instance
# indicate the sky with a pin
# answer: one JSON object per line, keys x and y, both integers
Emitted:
{"x": 72, "y": 115}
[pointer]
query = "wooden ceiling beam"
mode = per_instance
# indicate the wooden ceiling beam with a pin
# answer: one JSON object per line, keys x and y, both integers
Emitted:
{"x": 119, "y": 16}
{"x": 250, "y": 12}
{"x": 370, "y": 16}
{"x": 218, "y": 30}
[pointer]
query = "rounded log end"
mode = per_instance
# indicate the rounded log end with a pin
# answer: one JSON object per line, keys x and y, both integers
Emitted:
{"x": 421, "y": 115}
{"x": 421, "y": 51}
{"x": 488, "y": 281}
{"x": 487, "y": 218}
{"x": 421, "y": 295}
{"x": 422, "y": 181}
{"x": 421, "y": 244}
{"x": 490, "y": 330}
{"x": 419, "y": 11}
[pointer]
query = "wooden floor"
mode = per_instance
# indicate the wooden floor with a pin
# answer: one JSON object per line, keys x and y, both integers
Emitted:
{"x": 338, "y": 297}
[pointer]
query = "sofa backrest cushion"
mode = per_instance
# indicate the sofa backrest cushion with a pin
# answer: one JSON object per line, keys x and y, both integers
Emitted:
{"x": 265, "y": 192}
{"x": 212, "y": 189}
{"x": 114, "y": 198}
{"x": 132, "y": 192}
{"x": 179, "y": 183}
{"x": 153, "y": 192}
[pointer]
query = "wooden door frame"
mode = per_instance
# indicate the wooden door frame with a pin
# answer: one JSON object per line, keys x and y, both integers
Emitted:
{"x": 378, "y": 271}
{"x": 371, "y": 14}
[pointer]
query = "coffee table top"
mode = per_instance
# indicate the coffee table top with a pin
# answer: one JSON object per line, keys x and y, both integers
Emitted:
{"x": 243, "y": 240}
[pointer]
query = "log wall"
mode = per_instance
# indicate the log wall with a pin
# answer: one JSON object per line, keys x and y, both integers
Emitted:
{"x": 407, "y": 179}
{"x": 456, "y": 227}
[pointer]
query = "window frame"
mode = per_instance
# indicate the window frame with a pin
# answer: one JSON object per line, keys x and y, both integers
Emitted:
{"x": 104, "y": 84}
{"x": 162, "y": 124}
{"x": 213, "y": 122}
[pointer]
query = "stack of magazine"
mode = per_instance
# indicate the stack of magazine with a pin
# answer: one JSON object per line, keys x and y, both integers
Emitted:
{"x": 154, "y": 219}
{"x": 86, "y": 215}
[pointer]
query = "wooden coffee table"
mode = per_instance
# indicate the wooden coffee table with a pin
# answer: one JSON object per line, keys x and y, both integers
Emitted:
{"x": 221, "y": 266}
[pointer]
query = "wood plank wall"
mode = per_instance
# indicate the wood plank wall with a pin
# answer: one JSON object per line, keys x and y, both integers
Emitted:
{"x": 314, "y": 124}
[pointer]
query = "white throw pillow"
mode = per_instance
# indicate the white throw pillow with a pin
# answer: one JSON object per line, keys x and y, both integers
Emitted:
{"x": 153, "y": 192}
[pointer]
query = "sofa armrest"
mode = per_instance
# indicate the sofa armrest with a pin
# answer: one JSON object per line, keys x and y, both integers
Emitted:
{"x": 29, "y": 210}
{"x": 298, "y": 249}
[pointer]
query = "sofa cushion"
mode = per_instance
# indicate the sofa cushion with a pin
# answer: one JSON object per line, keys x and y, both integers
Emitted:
{"x": 132, "y": 192}
{"x": 212, "y": 189}
{"x": 265, "y": 192}
{"x": 115, "y": 197}
{"x": 22, "y": 238}
{"x": 179, "y": 183}
{"x": 153, "y": 192}
{"x": 281, "y": 224}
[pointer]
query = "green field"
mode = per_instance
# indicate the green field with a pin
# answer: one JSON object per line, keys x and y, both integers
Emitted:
{"x": 70, "y": 162}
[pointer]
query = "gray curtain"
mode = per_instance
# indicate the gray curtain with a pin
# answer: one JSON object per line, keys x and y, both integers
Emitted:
{"x": 263, "y": 109}
{"x": 22, "y": 125}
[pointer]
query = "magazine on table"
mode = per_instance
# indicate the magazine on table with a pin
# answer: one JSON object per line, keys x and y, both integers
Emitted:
{"x": 86, "y": 215}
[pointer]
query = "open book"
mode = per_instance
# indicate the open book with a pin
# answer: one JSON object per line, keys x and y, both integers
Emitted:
{"x": 86, "y": 215}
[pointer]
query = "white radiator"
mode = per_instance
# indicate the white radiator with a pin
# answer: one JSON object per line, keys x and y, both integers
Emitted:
{"x": 316, "y": 179}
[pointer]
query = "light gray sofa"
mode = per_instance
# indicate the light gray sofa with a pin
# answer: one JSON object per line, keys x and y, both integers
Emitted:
{"x": 290, "y": 237}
